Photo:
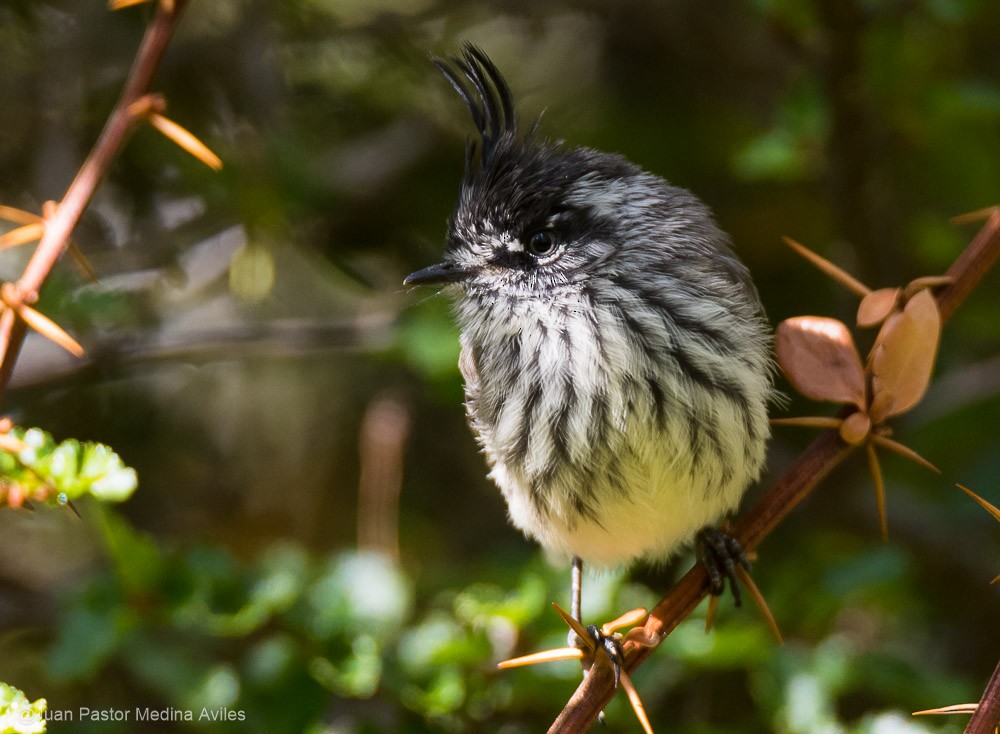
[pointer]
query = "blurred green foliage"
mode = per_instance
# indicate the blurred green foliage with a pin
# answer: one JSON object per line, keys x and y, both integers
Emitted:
{"x": 35, "y": 467}
{"x": 245, "y": 324}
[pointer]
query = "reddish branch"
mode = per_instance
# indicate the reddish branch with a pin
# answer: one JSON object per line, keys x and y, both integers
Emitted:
{"x": 820, "y": 458}
{"x": 987, "y": 716}
{"x": 60, "y": 225}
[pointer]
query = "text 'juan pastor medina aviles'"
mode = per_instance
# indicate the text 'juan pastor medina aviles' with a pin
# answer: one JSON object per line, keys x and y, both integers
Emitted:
{"x": 143, "y": 714}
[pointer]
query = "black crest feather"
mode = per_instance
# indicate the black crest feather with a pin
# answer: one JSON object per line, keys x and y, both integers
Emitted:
{"x": 485, "y": 92}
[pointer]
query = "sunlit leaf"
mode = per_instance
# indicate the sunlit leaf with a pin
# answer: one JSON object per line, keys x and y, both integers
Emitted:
{"x": 19, "y": 715}
{"x": 819, "y": 358}
{"x": 57, "y": 473}
{"x": 877, "y": 305}
{"x": 903, "y": 357}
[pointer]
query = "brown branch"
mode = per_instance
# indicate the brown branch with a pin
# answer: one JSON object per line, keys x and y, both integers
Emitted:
{"x": 987, "y": 716}
{"x": 60, "y": 225}
{"x": 823, "y": 455}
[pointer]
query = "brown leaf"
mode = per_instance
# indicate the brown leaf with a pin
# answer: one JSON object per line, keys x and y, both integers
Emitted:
{"x": 903, "y": 357}
{"x": 877, "y": 305}
{"x": 819, "y": 358}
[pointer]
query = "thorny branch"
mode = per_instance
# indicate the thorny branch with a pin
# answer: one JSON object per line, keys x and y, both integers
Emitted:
{"x": 821, "y": 457}
{"x": 987, "y": 716}
{"x": 60, "y": 225}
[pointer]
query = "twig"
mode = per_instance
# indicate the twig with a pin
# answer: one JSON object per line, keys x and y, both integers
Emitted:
{"x": 987, "y": 716}
{"x": 59, "y": 227}
{"x": 823, "y": 455}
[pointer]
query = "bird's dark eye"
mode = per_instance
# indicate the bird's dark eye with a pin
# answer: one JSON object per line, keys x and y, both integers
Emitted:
{"x": 541, "y": 242}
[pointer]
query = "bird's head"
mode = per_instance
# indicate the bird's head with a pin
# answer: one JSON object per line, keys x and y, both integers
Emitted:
{"x": 536, "y": 219}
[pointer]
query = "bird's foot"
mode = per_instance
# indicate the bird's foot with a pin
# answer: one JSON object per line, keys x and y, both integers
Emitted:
{"x": 722, "y": 555}
{"x": 592, "y": 644}
{"x": 601, "y": 639}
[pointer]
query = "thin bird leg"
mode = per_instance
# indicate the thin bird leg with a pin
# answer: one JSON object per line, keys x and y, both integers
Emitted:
{"x": 576, "y": 589}
{"x": 575, "y": 603}
{"x": 599, "y": 639}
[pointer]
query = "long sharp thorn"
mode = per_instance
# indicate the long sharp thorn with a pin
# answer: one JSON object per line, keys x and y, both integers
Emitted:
{"x": 747, "y": 580}
{"x": 876, "y": 471}
{"x": 977, "y": 216}
{"x": 834, "y": 271}
{"x": 904, "y": 451}
{"x": 633, "y": 697}
{"x": 18, "y": 216}
{"x": 82, "y": 262}
{"x": 713, "y": 605}
{"x": 958, "y": 708}
{"x": 185, "y": 140}
{"x": 546, "y": 656}
{"x": 982, "y": 503}
{"x": 50, "y": 330}
{"x": 22, "y": 235}
{"x": 580, "y": 630}
{"x": 810, "y": 422}
{"x": 629, "y": 619}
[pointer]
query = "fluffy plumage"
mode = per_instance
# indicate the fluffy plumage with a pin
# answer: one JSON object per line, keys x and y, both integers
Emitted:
{"x": 614, "y": 349}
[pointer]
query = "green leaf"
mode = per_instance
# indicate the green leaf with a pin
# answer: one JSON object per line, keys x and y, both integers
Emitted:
{"x": 18, "y": 715}
{"x": 39, "y": 469}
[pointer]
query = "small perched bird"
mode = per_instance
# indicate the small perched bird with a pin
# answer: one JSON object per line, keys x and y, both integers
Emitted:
{"x": 615, "y": 353}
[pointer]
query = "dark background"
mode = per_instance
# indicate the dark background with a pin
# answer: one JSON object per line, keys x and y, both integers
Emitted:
{"x": 289, "y": 407}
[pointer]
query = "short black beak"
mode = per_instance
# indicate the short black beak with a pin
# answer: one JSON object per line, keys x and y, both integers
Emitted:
{"x": 446, "y": 272}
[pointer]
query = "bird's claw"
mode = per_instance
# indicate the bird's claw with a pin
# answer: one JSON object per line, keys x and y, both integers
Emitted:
{"x": 611, "y": 644}
{"x": 719, "y": 553}
{"x": 584, "y": 642}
